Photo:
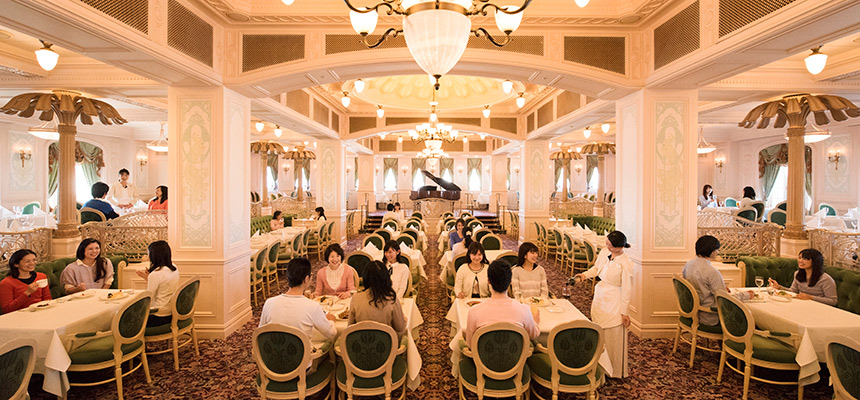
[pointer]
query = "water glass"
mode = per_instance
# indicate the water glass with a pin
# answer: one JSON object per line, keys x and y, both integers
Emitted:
{"x": 759, "y": 281}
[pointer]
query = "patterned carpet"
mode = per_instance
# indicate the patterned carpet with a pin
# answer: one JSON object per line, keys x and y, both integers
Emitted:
{"x": 225, "y": 369}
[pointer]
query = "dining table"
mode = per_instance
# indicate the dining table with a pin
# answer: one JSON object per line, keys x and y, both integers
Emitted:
{"x": 416, "y": 257}
{"x": 285, "y": 236}
{"x": 10, "y": 222}
{"x": 53, "y": 328}
{"x": 815, "y": 323}
{"x": 553, "y": 312}
{"x": 447, "y": 263}
{"x": 597, "y": 241}
{"x": 413, "y": 322}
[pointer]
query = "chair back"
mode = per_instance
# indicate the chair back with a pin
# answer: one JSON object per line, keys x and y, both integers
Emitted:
{"x": 413, "y": 224}
{"x": 297, "y": 245}
{"x": 376, "y": 239}
{"x": 828, "y": 207}
{"x": 259, "y": 260}
{"x": 736, "y": 319}
{"x": 413, "y": 233}
{"x": 305, "y": 239}
{"x": 384, "y": 234}
{"x": 730, "y": 202}
{"x": 359, "y": 261}
{"x": 748, "y": 212}
{"x": 465, "y": 215}
{"x": 777, "y": 216}
{"x": 404, "y": 238}
{"x": 273, "y": 251}
{"x": 129, "y": 323}
{"x": 843, "y": 357}
{"x": 480, "y": 233}
{"x": 474, "y": 223}
{"x": 17, "y": 361}
{"x": 491, "y": 242}
{"x": 447, "y": 214}
{"x": 687, "y": 298}
{"x": 461, "y": 260}
{"x": 449, "y": 224}
{"x": 500, "y": 351}
{"x": 31, "y": 207}
{"x": 556, "y": 236}
{"x": 91, "y": 214}
{"x": 508, "y": 256}
{"x": 185, "y": 300}
{"x": 567, "y": 243}
{"x": 782, "y": 205}
{"x": 368, "y": 351}
{"x": 392, "y": 223}
{"x": 759, "y": 209}
{"x": 329, "y": 231}
{"x": 417, "y": 214}
{"x": 281, "y": 353}
{"x": 574, "y": 349}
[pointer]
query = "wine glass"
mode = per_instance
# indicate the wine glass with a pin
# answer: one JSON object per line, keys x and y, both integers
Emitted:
{"x": 759, "y": 281}
{"x": 565, "y": 292}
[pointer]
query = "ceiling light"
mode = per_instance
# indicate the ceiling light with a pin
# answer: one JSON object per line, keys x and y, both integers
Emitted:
{"x": 278, "y": 131}
{"x": 400, "y": 139}
{"x": 482, "y": 136}
{"x": 345, "y": 99}
{"x": 160, "y": 145}
{"x": 558, "y": 144}
{"x": 306, "y": 143}
{"x": 287, "y": 2}
{"x": 380, "y": 112}
{"x": 433, "y": 117}
{"x": 814, "y": 136}
{"x": 521, "y": 101}
{"x": 486, "y": 111}
{"x": 703, "y": 147}
{"x": 507, "y": 86}
{"x": 604, "y": 127}
{"x": 465, "y": 139}
{"x": 45, "y": 132}
{"x": 581, "y": 3}
{"x": 359, "y": 86}
{"x": 260, "y": 126}
{"x": 46, "y": 57}
{"x": 816, "y": 61}
{"x": 587, "y": 132}
{"x": 382, "y": 135}
{"x": 315, "y": 144}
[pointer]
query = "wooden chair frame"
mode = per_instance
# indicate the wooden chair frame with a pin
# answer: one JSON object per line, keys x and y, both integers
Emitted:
{"x": 175, "y": 331}
{"x": 254, "y": 281}
{"x": 91, "y": 210}
{"x": 839, "y": 391}
{"x": 589, "y": 369}
{"x": 693, "y": 329}
{"x": 21, "y": 392}
{"x": 385, "y": 369}
{"x": 515, "y": 373}
{"x": 267, "y": 375}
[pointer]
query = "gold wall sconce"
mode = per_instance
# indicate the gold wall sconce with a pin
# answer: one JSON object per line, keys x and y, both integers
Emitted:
{"x": 460, "y": 170}
{"x": 834, "y": 157}
{"x": 286, "y": 168}
{"x": 142, "y": 160}
{"x": 578, "y": 169}
{"x": 516, "y": 169}
{"x": 25, "y": 154}
{"x": 404, "y": 169}
{"x": 719, "y": 164}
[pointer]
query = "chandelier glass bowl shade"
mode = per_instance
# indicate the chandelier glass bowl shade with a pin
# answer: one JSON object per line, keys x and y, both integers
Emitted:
{"x": 160, "y": 145}
{"x": 704, "y": 147}
{"x": 437, "y": 39}
{"x": 44, "y": 131}
{"x": 46, "y": 56}
{"x": 816, "y": 61}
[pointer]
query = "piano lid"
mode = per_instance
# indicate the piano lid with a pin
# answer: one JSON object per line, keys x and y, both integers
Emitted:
{"x": 450, "y": 186}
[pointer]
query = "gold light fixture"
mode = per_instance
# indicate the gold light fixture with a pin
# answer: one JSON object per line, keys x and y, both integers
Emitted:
{"x": 719, "y": 162}
{"x": 704, "y": 147}
{"x": 834, "y": 157}
{"x": 46, "y": 56}
{"x": 45, "y": 131}
{"x": 25, "y": 153}
{"x": 142, "y": 160}
{"x": 816, "y": 61}
{"x": 160, "y": 145}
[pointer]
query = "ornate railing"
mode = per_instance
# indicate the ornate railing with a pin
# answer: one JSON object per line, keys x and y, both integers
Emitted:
{"x": 840, "y": 249}
{"x": 129, "y": 235}
{"x": 256, "y": 209}
{"x": 576, "y": 206}
{"x": 740, "y": 237}
{"x": 290, "y": 206}
{"x": 609, "y": 210}
{"x": 37, "y": 239}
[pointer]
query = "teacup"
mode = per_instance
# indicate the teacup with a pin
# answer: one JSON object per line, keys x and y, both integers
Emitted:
{"x": 43, "y": 283}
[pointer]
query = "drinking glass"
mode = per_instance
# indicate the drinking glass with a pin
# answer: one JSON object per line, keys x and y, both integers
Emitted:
{"x": 565, "y": 292}
{"x": 759, "y": 281}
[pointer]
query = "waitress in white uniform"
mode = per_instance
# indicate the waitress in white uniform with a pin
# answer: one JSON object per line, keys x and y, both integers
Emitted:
{"x": 612, "y": 298}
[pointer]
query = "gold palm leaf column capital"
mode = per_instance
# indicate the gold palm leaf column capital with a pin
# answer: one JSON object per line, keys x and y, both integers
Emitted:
{"x": 794, "y": 109}
{"x": 565, "y": 154}
{"x": 67, "y": 105}
{"x": 300, "y": 154}
{"x": 267, "y": 147}
{"x": 598, "y": 148}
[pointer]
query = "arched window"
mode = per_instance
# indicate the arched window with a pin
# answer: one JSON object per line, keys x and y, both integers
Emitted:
{"x": 271, "y": 179}
{"x": 389, "y": 177}
{"x": 89, "y": 161}
{"x": 474, "y": 171}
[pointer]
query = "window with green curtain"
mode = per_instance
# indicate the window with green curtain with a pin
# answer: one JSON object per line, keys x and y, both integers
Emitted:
{"x": 446, "y": 169}
{"x": 558, "y": 171}
{"x": 474, "y": 173}
{"x": 418, "y": 165}
{"x": 590, "y": 167}
{"x": 89, "y": 160}
{"x": 508, "y": 182}
{"x": 389, "y": 174}
{"x": 302, "y": 167}
{"x": 272, "y": 163}
{"x": 771, "y": 158}
{"x": 355, "y": 172}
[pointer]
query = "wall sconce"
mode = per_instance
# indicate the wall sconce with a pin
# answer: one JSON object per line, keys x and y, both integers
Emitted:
{"x": 348, "y": 169}
{"x": 834, "y": 158}
{"x": 719, "y": 164}
{"x": 460, "y": 170}
{"x": 517, "y": 170}
{"x": 578, "y": 169}
{"x": 286, "y": 168}
{"x": 404, "y": 169}
{"x": 25, "y": 154}
{"x": 377, "y": 169}
{"x": 142, "y": 160}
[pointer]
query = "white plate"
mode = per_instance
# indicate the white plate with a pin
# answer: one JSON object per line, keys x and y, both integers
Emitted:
{"x": 80, "y": 295}
{"x": 42, "y": 305}
{"x": 554, "y": 309}
{"x": 104, "y": 297}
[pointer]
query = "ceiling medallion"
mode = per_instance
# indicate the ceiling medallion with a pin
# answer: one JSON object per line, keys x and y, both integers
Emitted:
{"x": 436, "y": 31}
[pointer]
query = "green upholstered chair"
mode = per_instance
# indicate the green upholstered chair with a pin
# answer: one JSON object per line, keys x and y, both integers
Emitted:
{"x": 404, "y": 238}
{"x": 282, "y": 354}
{"x": 306, "y": 238}
{"x": 584, "y": 255}
{"x": 460, "y": 261}
{"x": 417, "y": 214}
{"x": 450, "y": 224}
{"x": 782, "y": 206}
{"x": 413, "y": 224}
{"x": 287, "y": 253}
{"x": 329, "y": 236}
{"x": 569, "y": 363}
{"x": 17, "y": 361}
{"x": 124, "y": 341}
{"x": 480, "y": 233}
{"x": 79, "y": 205}
{"x": 777, "y": 216}
{"x": 447, "y": 214}
{"x": 372, "y": 361}
{"x": 748, "y": 213}
{"x": 391, "y": 223}
{"x": 567, "y": 253}
{"x": 31, "y": 207}
{"x": 495, "y": 362}
{"x": 474, "y": 224}
{"x": 731, "y": 202}
{"x": 411, "y": 232}
{"x": 358, "y": 261}
{"x": 384, "y": 233}
{"x": 452, "y": 278}
{"x": 377, "y": 240}
{"x": 828, "y": 207}
{"x": 465, "y": 214}
{"x": 688, "y": 318}
{"x": 54, "y": 269}
{"x": 781, "y": 269}
{"x": 258, "y": 268}
{"x": 759, "y": 209}
{"x": 510, "y": 257}
{"x": 91, "y": 215}
{"x": 272, "y": 267}
{"x": 350, "y": 224}
{"x": 261, "y": 224}
{"x": 772, "y": 350}
{"x": 181, "y": 323}
{"x": 316, "y": 241}
{"x": 554, "y": 244}
{"x": 843, "y": 361}
{"x": 491, "y": 242}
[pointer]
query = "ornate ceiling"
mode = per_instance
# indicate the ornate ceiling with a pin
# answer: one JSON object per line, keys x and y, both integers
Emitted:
{"x": 415, "y": 92}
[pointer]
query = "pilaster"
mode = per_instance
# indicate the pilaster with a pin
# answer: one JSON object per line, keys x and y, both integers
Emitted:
{"x": 536, "y": 187}
{"x": 365, "y": 174}
{"x": 332, "y": 196}
{"x": 498, "y": 182}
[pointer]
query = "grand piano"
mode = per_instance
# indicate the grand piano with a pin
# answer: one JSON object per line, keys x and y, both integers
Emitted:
{"x": 450, "y": 192}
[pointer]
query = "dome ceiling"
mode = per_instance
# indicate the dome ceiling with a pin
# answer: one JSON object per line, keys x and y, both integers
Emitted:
{"x": 415, "y": 92}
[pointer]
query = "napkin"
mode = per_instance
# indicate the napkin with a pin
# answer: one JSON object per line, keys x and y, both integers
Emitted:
{"x": 370, "y": 248}
{"x": 815, "y": 222}
{"x": 15, "y": 226}
{"x": 256, "y": 233}
{"x": 6, "y": 213}
{"x": 38, "y": 211}
{"x": 854, "y": 213}
{"x": 821, "y": 213}
{"x": 140, "y": 203}
{"x": 587, "y": 229}
{"x": 404, "y": 248}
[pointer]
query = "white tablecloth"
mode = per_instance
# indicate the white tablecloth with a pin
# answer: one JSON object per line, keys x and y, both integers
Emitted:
{"x": 285, "y": 236}
{"x": 413, "y": 321}
{"x": 813, "y": 321}
{"x": 20, "y": 223}
{"x": 724, "y": 210}
{"x": 305, "y": 222}
{"x": 459, "y": 311}
{"x": 831, "y": 222}
{"x": 49, "y": 328}
{"x": 598, "y": 241}
{"x": 447, "y": 263}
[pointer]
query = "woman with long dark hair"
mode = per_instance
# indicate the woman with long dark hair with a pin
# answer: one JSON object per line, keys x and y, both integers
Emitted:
{"x": 810, "y": 280}
{"x": 377, "y": 302}
{"x": 528, "y": 279}
{"x": 749, "y": 197}
{"x": 471, "y": 279}
{"x": 23, "y": 286}
{"x": 398, "y": 271}
{"x": 159, "y": 202}
{"x": 162, "y": 279}
{"x": 458, "y": 234}
{"x": 612, "y": 298}
{"x": 277, "y": 221}
{"x": 89, "y": 271}
{"x": 708, "y": 198}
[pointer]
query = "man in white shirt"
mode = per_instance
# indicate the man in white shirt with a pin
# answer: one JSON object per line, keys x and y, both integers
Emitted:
{"x": 391, "y": 214}
{"x": 123, "y": 193}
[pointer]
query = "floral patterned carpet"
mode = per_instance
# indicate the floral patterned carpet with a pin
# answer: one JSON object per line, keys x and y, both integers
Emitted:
{"x": 225, "y": 369}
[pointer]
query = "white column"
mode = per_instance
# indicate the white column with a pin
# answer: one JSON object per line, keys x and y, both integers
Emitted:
{"x": 366, "y": 173}
{"x": 536, "y": 173}
{"x": 655, "y": 180}
{"x": 498, "y": 181}
{"x": 331, "y": 187}
{"x": 209, "y": 214}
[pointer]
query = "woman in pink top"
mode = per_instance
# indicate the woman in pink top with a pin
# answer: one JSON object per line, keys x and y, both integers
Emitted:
{"x": 337, "y": 278}
{"x": 21, "y": 287}
{"x": 159, "y": 202}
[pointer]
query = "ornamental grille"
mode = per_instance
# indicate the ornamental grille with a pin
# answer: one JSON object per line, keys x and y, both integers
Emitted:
{"x": 477, "y": 145}
{"x": 260, "y": 51}
{"x": 677, "y": 37}
{"x": 504, "y": 124}
{"x": 566, "y": 103}
{"x": 320, "y": 113}
{"x": 361, "y": 123}
{"x": 606, "y": 53}
{"x": 189, "y": 33}
{"x": 735, "y": 14}
{"x": 336, "y": 44}
{"x": 544, "y": 114}
{"x": 530, "y": 123}
{"x": 134, "y": 13}
{"x": 387, "y": 145}
{"x": 299, "y": 101}
{"x": 335, "y": 122}
{"x": 409, "y": 145}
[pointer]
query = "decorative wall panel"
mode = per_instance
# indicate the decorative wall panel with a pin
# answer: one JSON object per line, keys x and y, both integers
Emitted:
{"x": 668, "y": 172}
{"x": 22, "y": 178}
{"x": 537, "y": 159}
{"x": 260, "y": 51}
{"x": 237, "y": 174}
{"x": 195, "y": 166}
{"x": 836, "y": 180}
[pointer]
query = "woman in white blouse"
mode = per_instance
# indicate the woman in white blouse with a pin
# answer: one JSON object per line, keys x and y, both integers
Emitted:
{"x": 471, "y": 278}
{"x": 612, "y": 298}
{"x": 123, "y": 193}
{"x": 162, "y": 279}
{"x": 398, "y": 271}
{"x": 528, "y": 278}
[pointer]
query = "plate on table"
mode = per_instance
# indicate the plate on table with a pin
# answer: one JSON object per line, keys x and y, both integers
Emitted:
{"x": 326, "y": 300}
{"x": 785, "y": 294}
{"x": 343, "y": 315}
{"x": 113, "y": 296}
{"x": 472, "y": 303}
{"x": 536, "y": 301}
{"x": 555, "y": 309}
{"x": 80, "y": 295}
{"x": 42, "y": 305}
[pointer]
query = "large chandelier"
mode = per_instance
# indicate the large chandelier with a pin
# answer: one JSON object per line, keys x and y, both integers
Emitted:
{"x": 431, "y": 153}
{"x": 436, "y": 31}
{"x": 433, "y": 134}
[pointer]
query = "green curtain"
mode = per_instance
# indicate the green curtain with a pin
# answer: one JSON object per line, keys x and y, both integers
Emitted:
{"x": 91, "y": 158}
{"x": 474, "y": 166}
{"x": 590, "y": 167}
{"x": 53, "y": 168}
{"x": 446, "y": 164}
{"x": 808, "y": 181}
{"x": 769, "y": 161}
{"x": 389, "y": 164}
{"x": 302, "y": 166}
{"x": 418, "y": 165}
{"x": 272, "y": 162}
{"x": 558, "y": 170}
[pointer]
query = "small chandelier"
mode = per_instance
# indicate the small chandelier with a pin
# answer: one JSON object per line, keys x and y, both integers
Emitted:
{"x": 436, "y": 31}
{"x": 704, "y": 147}
{"x": 431, "y": 153}
{"x": 45, "y": 131}
{"x": 160, "y": 145}
{"x": 433, "y": 134}
{"x": 814, "y": 136}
